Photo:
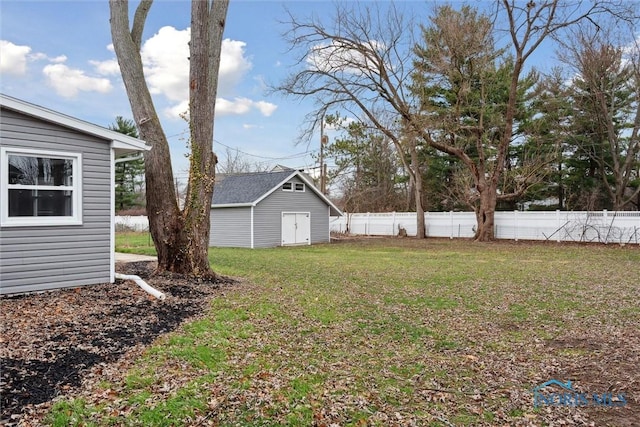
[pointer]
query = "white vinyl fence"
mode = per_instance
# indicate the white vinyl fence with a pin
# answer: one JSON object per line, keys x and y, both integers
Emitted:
{"x": 132, "y": 223}
{"x": 602, "y": 226}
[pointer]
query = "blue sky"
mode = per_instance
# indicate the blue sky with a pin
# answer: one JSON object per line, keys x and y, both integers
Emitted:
{"x": 57, "y": 54}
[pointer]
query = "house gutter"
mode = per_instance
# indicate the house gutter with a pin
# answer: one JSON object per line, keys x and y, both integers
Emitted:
{"x": 147, "y": 288}
{"x": 129, "y": 159}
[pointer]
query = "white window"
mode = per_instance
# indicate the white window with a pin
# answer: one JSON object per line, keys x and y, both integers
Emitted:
{"x": 293, "y": 186}
{"x": 40, "y": 187}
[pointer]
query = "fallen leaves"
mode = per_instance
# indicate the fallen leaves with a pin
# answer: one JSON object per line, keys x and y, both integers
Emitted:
{"x": 56, "y": 342}
{"x": 401, "y": 333}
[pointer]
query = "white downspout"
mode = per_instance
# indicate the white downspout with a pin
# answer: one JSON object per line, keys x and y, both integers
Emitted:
{"x": 147, "y": 288}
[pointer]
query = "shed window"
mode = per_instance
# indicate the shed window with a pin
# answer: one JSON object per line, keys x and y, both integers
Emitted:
{"x": 40, "y": 188}
{"x": 293, "y": 186}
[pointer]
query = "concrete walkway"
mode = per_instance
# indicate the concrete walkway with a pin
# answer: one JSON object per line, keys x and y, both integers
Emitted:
{"x": 123, "y": 257}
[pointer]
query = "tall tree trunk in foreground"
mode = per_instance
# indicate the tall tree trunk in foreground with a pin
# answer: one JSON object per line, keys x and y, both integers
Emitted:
{"x": 181, "y": 237}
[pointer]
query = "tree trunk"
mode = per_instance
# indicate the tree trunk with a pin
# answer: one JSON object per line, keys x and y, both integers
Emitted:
{"x": 180, "y": 237}
{"x": 421, "y": 230}
{"x": 485, "y": 214}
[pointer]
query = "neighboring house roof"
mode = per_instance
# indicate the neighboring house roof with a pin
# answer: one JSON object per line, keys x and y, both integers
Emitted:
{"x": 123, "y": 144}
{"x": 248, "y": 189}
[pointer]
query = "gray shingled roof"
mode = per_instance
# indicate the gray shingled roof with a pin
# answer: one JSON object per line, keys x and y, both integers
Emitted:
{"x": 246, "y": 188}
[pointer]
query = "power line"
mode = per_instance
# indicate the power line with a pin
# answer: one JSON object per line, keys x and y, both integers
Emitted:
{"x": 292, "y": 156}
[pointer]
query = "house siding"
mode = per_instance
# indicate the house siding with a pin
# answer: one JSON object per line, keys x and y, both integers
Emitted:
{"x": 267, "y": 220}
{"x": 230, "y": 227}
{"x": 36, "y": 258}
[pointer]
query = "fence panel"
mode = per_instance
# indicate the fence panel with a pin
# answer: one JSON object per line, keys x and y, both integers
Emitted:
{"x": 132, "y": 223}
{"x": 601, "y": 226}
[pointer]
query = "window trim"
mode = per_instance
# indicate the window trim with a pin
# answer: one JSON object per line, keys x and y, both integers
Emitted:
{"x": 288, "y": 183}
{"x": 29, "y": 221}
{"x": 292, "y": 187}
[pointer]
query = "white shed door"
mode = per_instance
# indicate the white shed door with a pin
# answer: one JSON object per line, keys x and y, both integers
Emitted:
{"x": 296, "y": 228}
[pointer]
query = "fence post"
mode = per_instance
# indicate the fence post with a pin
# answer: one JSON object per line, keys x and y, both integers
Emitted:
{"x": 393, "y": 223}
{"x": 367, "y": 227}
{"x": 558, "y": 225}
{"x": 451, "y": 226}
{"x": 515, "y": 225}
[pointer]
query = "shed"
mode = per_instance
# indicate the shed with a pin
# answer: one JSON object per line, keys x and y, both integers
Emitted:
{"x": 267, "y": 209}
{"x": 57, "y": 198}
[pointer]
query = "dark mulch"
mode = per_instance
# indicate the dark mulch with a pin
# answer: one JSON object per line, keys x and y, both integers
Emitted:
{"x": 49, "y": 342}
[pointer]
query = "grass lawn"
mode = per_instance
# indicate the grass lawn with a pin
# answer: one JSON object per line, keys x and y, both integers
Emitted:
{"x": 386, "y": 331}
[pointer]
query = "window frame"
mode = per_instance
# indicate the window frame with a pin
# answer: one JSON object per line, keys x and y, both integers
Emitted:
{"x": 293, "y": 187}
{"x": 31, "y": 221}
{"x": 288, "y": 183}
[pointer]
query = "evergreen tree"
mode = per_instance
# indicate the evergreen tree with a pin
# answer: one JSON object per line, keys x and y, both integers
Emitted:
{"x": 129, "y": 175}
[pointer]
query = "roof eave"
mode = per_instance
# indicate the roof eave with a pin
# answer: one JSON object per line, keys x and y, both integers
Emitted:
{"x": 123, "y": 144}
{"x": 319, "y": 193}
{"x": 232, "y": 205}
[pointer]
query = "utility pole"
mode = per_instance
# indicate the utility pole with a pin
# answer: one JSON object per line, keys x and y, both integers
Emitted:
{"x": 323, "y": 168}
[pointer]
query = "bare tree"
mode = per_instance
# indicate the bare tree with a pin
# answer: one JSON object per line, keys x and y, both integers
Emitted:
{"x": 181, "y": 237}
{"x": 366, "y": 168}
{"x": 233, "y": 161}
{"x": 360, "y": 65}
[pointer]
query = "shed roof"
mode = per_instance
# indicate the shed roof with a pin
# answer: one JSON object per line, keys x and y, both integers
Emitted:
{"x": 123, "y": 144}
{"x": 248, "y": 189}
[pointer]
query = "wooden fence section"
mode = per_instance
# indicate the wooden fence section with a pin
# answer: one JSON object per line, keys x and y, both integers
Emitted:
{"x": 601, "y": 226}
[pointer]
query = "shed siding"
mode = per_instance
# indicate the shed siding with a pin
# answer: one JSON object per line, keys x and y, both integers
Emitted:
{"x": 43, "y": 258}
{"x": 230, "y": 227}
{"x": 267, "y": 220}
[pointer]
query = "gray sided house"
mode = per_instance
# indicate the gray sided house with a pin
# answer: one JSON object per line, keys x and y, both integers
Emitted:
{"x": 267, "y": 209}
{"x": 56, "y": 198}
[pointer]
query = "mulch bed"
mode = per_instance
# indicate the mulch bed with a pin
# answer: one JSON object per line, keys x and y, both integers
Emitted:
{"x": 51, "y": 342}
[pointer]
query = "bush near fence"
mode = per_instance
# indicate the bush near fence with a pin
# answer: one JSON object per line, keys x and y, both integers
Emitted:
{"x": 561, "y": 226}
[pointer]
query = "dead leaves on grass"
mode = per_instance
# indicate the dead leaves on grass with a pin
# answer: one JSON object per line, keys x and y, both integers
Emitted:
{"x": 388, "y": 352}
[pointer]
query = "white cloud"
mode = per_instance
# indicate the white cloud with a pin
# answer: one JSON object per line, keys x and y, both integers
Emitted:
{"x": 165, "y": 57}
{"x": 13, "y": 58}
{"x": 58, "y": 59}
{"x": 166, "y": 60}
{"x": 266, "y": 108}
{"x": 106, "y": 68}
{"x": 43, "y": 57}
{"x": 177, "y": 110}
{"x": 68, "y": 82}
{"x": 225, "y": 107}
{"x": 233, "y": 66}
{"x": 238, "y": 106}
